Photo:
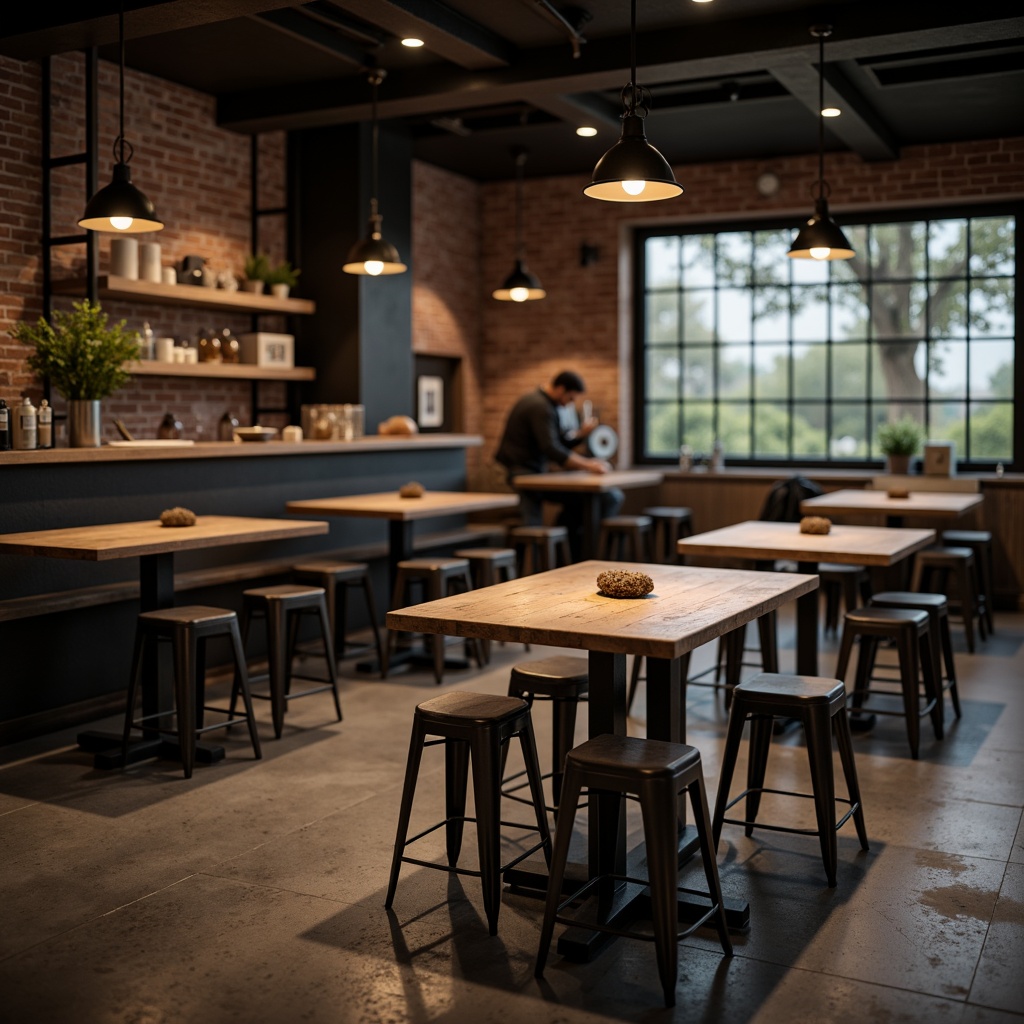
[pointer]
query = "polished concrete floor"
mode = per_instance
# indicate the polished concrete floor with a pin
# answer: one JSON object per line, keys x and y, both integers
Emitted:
{"x": 254, "y": 891}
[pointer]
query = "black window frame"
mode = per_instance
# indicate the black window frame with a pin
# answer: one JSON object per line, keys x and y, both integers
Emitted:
{"x": 640, "y": 236}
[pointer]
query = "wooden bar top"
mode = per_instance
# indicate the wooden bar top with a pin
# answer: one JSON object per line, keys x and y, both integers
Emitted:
{"x": 149, "y": 537}
{"x": 388, "y": 504}
{"x": 851, "y": 545}
{"x": 581, "y": 480}
{"x": 940, "y": 504}
{"x": 563, "y": 608}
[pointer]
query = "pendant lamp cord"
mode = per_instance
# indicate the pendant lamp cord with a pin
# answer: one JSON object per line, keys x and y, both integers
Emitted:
{"x": 632, "y": 56}
{"x": 375, "y": 79}
{"x": 822, "y": 32}
{"x": 520, "y": 163}
{"x": 119, "y": 143}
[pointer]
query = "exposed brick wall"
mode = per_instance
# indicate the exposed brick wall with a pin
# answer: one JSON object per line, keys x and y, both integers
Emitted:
{"x": 578, "y": 325}
{"x": 198, "y": 176}
{"x": 463, "y": 239}
{"x": 446, "y": 296}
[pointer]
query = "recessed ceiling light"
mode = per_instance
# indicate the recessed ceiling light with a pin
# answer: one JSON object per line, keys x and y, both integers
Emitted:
{"x": 830, "y": 111}
{"x": 412, "y": 42}
{"x": 586, "y": 131}
{"x": 702, "y": 1}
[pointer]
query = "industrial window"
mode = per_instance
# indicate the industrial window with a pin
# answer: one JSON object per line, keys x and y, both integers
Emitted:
{"x": 788, "y": 360}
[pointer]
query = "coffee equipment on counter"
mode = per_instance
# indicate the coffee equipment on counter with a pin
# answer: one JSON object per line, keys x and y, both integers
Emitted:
{"x": 333, "y": 422}
{"x": 170, "y": 428}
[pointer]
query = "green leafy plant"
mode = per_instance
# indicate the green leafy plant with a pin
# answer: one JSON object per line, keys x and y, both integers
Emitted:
{"x": 283, "y": 274}
{"x": 902, "y": 438}
{"x": 79, "y": 352}
{"x": 257, "y": 266}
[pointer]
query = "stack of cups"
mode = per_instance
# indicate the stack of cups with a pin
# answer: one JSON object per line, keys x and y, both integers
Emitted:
{"x": 149, "y": 262}
{"x": 124, "y": 258}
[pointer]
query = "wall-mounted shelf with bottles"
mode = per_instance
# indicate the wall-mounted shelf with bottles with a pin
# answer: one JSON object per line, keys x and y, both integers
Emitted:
{"x": 127, "y": 290}
{"x": 221, "y": 371}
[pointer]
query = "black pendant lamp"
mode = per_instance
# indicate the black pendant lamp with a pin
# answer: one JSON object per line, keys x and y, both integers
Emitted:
{"x": 821, "y": 238}
{"x": 372, "y": 254}
{"x": 120, "y": 206}
{"x": 520, "y": 285}
{"x": 633, "y": 171}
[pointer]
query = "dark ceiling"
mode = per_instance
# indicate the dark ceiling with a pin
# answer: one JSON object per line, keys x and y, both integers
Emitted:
{"x": 730, "y": 79}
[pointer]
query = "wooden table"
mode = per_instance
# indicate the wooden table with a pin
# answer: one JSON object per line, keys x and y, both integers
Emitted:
{"x": 592, "y": 486}
{"x": 562, "y": 608}
{"x": 155, "y": 546}
{"x": 849, "y": 545}
{"x": 401, "y": 513}
{"x": 924, "y": 504}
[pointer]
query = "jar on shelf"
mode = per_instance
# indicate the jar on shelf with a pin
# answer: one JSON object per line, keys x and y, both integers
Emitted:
{"x": 170, "y": 428}
{"x": 208, "y": 346}
{"x": 226, "y": 427}
{"x": 230, "y": 350}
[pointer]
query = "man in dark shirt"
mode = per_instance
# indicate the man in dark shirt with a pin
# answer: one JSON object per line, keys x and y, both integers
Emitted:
{"x": 533, "y": 439}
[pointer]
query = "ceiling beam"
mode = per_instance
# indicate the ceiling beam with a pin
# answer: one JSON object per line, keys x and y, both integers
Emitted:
{"x": 710, "y": 50}
{"x": 292, "y": 22}
{"x": 592, "y": 110}
{"x": 32, "y": 30}
{"x": 446, "y": 32}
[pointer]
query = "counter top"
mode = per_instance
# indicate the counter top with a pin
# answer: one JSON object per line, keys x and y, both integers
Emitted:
{"x": 235, "y": 450}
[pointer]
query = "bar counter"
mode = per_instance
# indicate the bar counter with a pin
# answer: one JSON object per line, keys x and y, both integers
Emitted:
{"x": 62, "y": 622}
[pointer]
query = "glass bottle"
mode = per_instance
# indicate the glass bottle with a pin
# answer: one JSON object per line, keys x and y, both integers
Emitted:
{"x": 229, "y": 347}
{"x": 208, "y": 344}
{"x": 45, "y": 424}
{"x": 5, "y": 426}
{"x": 226, "y": 427}
{"x": 170, "y": 428}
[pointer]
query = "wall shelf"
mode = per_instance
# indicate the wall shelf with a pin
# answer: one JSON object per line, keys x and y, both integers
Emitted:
{"x": 126, "y": 290}
{"x": 221, "y": 371}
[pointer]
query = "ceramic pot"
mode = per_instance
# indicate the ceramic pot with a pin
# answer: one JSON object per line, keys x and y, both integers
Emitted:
{"x": 899, "y": 465}
{"x": 256, "y": 287}
{"x": 84, "y": 422}
{"x": 280, "y": 291}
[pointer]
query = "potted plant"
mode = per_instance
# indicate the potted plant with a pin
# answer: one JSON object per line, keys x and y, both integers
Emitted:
{"x": 899, "y": 441}
{"x": 84, "y": 359}
{"x": 282, "y": 279}
{"x": 257, "y": 266}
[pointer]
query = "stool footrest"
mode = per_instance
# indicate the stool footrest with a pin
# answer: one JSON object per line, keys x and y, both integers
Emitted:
{"x": 598, "y": 926}
{"x": 862, "y": 710}
{"x": 853, "y": 806}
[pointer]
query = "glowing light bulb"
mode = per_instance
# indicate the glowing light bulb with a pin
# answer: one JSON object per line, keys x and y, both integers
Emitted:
{"x": 830, "y": 112}
{"x": 121, "y": 223}
{"x": 633, "y": 188}
{"x": 412, "y": 42}
{"x": 373, "y": 267}
{"x": 820, "y": 252}
{"x": 519, "y": 294}
{"x": 586, "y": 131}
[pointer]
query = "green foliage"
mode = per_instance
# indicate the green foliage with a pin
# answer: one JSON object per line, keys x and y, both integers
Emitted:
{"x": 257, "y": 266}
{"x": 283, "y": 274}
{"x": 82, "y": 356}
{"x": 901, "y": 438}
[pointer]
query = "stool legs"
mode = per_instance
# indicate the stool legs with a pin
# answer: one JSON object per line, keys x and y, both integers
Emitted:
{"x": 844, "y": 743}
{"x": 412, "y": 768}
{"x": 456, "y": 766}
{"x": 563, "y": 713}
{"x": 818, "y": 734}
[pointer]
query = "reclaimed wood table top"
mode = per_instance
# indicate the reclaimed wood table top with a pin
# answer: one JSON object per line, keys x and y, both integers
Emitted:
{"x": 940, "y": 504}
{"x": 388, "y": 504}
{"x": 581, "y": 480}
{"x": 123, "y": 540}
{"x": 563, "y": 608}
{"x": 851, "y": 545}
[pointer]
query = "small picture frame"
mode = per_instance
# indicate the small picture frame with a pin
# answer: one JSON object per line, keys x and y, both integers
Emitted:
{"x": 430, "y": 406}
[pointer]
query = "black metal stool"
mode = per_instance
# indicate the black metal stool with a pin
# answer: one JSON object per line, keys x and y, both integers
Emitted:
{"x": 936, "y": 568}
{"x": 908, "y": 629}
{"x": 540, "y": 547}
{"x": 980, "y": 542}
{"x": 625, "y": 537}
{"x": 480, "y": 725}
{"x": 189, "y": 627}
{"x": 820, "y": 705}
{"x": 657, "y": 772}
{"x": 564, "y": 681}
{"x": 669, "y": 524}
{"x": 846, "y": 581}
{"x": 337, "y": 578}
{"x": 488, "y": 566}
{"x": 281, "y": 606}
{"x": 937, "y": 608}
{"x": 437, "y": 578}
